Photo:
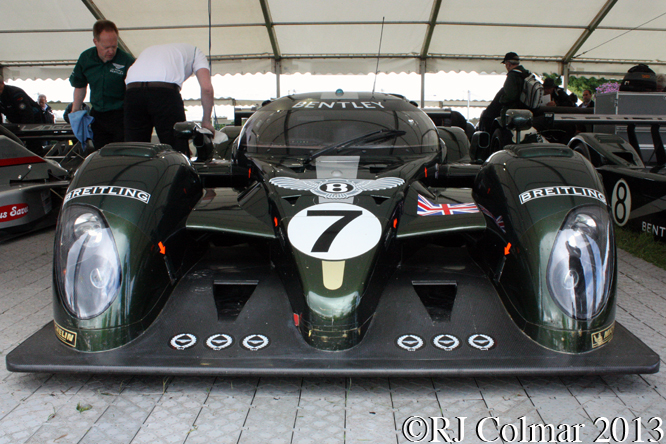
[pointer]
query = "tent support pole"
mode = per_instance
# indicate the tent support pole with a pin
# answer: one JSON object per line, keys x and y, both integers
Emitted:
{"x": 565, "y": 75}
{"x": 277, "y": 69}
{"x": 422, "y": 67}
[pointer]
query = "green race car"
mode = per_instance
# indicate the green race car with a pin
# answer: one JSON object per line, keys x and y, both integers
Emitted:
{"x": 337, "y": 238}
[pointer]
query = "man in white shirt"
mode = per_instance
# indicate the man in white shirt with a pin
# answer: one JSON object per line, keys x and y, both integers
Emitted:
{"x": 152, "y": 98}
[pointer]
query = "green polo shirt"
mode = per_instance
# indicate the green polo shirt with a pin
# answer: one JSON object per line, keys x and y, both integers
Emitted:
{"x": 106, "y": 79}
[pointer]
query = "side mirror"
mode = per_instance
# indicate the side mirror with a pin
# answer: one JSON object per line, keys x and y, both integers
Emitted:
{"x": 185, "y": 130}
{"x": 201, "y": 138}
{"x": 519, "y": 119}
{"x": 479, "y": 149}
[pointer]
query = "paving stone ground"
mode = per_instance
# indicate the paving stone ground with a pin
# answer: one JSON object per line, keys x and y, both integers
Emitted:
{"x": 55, "y": 408}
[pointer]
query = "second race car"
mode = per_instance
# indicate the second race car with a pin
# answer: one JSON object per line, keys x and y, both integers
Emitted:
{"x": 32, "y": 186}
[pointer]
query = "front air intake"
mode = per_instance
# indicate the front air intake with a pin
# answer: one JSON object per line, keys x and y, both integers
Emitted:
{"x": 437, "y": 297}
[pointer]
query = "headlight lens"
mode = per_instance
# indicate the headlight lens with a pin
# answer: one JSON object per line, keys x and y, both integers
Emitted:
{"x": 581, "y": 264}
{"x": 88, "y": 271}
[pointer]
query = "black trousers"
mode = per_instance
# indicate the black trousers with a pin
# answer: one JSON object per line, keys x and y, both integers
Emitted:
{"x": 154, "y": 107}
{"x": 107, "y": 127}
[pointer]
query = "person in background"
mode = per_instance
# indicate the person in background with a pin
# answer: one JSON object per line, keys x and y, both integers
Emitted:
{"x": 16, "y": 105}
{"x": 574, "y": 99}
{"x": 153, "y": 93}
{"x": 45, "y": 112}
{"x": 104, "y": 68}
{"x": 513, "y": 85}
{"x": 44, "y": 115}
{"x": 587, "y": 99}
{"x": 558, "y": 97}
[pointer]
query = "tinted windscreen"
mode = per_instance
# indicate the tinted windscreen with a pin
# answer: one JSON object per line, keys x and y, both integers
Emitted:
{"x": 301, "y": 130}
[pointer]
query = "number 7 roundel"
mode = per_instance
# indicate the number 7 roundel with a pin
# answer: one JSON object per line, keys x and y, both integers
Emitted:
{"x": 334, "y": 231}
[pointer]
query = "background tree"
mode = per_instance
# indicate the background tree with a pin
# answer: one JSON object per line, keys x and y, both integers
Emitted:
{"x": 579, "y": 84}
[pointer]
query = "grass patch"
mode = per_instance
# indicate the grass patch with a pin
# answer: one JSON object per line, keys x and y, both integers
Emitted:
{"x": 642, "y": 245}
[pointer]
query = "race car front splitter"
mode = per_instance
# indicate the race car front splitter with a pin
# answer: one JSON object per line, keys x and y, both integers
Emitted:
{"x": 471, "y": 334}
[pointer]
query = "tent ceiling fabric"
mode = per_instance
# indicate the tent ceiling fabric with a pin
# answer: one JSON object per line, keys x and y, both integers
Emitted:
{"x": 43, "y": 38}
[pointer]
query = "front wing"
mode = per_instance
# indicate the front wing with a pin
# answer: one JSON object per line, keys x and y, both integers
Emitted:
{"x": 470, "y": 334}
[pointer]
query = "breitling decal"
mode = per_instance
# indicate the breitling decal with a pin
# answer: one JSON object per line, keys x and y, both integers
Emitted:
{"x": 336, "y": 188}
{"x": 108, "y": 191}
{"x": 561, "y": 191}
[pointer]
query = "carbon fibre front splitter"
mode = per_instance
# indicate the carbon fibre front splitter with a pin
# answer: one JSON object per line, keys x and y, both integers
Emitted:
{"x": 477, "y": 339}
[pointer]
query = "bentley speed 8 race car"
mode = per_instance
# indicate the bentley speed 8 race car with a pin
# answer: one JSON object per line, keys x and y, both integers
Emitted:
{"x": 339, "y": 238}
{"x": 637, "y": 187}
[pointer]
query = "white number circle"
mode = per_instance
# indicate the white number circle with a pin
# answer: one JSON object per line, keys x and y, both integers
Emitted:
{"x": 621, "y": 202}
{"x": 334, "y": 231}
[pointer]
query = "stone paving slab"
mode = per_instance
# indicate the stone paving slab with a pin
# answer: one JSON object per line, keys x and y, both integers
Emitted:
{"x": 87, "y": 409}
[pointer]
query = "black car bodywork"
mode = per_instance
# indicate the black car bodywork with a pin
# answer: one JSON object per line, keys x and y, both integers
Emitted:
{"x": 636, "y": 187}
{"x": 339, "y": 239}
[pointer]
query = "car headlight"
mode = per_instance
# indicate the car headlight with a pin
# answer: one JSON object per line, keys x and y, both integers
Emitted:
{"x": 88, "y": 271}
{"x": 581, "y": 263}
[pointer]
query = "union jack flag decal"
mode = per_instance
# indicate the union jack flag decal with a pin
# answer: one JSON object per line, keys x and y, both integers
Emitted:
{"x": 427, "y": 208}
{"x": 499, "y": 220}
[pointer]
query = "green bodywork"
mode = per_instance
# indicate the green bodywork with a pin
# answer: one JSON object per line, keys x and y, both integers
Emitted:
{"x": 138, "y": 228}
{"x": 531, "y": 228}
{"x": 155, "y": 240}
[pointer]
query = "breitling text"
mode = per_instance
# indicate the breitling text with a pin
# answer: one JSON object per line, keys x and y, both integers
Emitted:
{"x": 109, "y": 191}
{"x": 561, "y": 191}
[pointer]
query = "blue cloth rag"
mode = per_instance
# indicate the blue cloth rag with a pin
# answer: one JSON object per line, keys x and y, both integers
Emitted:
{"x": 80, "y": 122}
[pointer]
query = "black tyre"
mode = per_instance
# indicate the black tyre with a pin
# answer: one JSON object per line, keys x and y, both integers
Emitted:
{"x": 497, "y": 140}
{"x": 579, "y": 148}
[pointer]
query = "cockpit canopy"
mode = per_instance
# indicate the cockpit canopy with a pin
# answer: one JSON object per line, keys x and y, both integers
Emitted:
{"x": 349, "y": 123}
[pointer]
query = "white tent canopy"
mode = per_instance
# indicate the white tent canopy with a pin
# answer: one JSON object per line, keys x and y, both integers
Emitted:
{"x": 43, "y": 38}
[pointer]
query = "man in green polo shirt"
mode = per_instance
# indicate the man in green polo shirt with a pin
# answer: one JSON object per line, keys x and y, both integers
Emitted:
{"x": 103, "y": 68}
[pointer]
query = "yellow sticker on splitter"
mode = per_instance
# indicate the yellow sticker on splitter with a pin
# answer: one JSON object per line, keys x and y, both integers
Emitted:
{"x": 602, "y": 337}
{"x": 66, "y": 336}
